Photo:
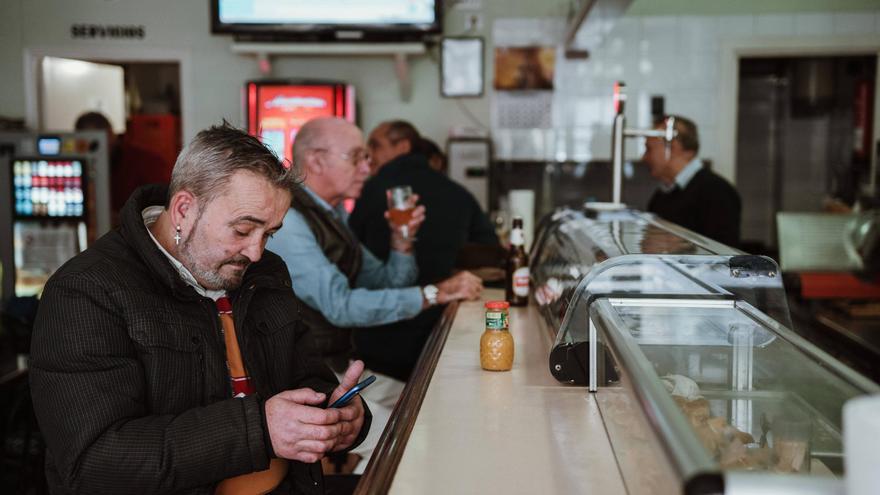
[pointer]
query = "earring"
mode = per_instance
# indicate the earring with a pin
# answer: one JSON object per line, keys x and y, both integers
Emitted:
{"x": 177, "y": 236}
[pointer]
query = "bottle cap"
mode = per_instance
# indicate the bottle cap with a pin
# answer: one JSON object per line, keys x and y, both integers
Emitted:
{"x": 497, "y": 304}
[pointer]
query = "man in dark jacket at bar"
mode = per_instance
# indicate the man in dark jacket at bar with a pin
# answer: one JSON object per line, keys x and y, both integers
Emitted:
{"x": 690, "y": 194}
{"x": 166, "y": 357}
{"x": 454, "y": 219}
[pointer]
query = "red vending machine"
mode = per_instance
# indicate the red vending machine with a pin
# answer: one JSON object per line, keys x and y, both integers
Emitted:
{"x": 275, "y": 110}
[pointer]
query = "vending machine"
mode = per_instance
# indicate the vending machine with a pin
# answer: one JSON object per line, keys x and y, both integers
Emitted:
{"x": 275, "y": 110}
{"x": 54, "y": 202}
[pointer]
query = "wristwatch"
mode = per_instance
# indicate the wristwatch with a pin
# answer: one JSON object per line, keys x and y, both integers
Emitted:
{"x": 429, "y": 292}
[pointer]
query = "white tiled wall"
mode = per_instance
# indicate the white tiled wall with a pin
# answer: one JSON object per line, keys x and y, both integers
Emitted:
{"x": 673, "y": 56}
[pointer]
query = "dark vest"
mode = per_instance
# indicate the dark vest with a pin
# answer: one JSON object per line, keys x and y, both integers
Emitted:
{"x": 343, "y": 250}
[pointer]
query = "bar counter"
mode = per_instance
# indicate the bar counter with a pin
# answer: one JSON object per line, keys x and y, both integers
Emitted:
{"x": 460, "y": 429}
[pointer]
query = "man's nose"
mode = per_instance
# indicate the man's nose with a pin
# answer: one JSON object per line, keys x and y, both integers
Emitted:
{"x": 254, "y": 249}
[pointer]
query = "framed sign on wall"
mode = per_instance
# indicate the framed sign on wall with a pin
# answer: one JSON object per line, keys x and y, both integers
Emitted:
{"x": 461, "y": 67}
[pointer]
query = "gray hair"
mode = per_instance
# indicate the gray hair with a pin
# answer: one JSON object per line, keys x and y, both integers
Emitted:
{"x": 209, "y": 161}
{"x": 687, "y": 132}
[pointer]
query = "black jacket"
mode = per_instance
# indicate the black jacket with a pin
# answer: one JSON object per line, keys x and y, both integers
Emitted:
{"x": 129, "y": 376}
{"x": 453, "y": 218}
{"x": 709, "y": 205}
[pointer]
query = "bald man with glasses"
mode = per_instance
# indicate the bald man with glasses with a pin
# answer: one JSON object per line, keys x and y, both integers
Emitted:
{"x": 335, "y": 275}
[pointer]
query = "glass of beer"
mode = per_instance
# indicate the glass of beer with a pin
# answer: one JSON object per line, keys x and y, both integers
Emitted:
{"x": 400, "y": 209}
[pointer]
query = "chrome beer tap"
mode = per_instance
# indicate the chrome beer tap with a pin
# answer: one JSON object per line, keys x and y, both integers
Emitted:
{"x": 620, "y": 132}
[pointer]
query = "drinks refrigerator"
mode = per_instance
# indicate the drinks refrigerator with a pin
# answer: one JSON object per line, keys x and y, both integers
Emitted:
{"x": 276, "y": 110}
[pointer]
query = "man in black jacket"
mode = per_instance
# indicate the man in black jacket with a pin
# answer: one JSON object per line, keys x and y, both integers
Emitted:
{"x": 453, "y": 219}
{"x": 690, "y": 194}
{"x": 166, "y": 357}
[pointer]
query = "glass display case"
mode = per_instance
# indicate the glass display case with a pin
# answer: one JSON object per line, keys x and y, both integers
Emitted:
{"x": 569, "y": 243}
{"x": 698, "y": 339}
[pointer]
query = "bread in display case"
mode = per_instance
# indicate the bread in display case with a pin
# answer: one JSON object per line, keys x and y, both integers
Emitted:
{"x": 697, "y": 337}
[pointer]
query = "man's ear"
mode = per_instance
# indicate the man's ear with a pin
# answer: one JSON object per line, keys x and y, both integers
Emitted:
{"x": 311, "y": 163}
{"x": 182, "y": 208}
{"x": 404, "y": 146}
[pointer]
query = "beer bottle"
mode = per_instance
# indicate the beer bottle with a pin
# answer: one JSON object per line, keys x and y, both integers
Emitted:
{"x": 517, "y": 274}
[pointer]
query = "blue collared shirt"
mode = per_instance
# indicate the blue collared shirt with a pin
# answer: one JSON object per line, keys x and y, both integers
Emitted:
{"x": 382, "y": 293}
{"x": 685, "y": 175}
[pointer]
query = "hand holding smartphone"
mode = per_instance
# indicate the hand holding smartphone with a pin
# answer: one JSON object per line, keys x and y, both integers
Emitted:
{"x": 346, "y": 397}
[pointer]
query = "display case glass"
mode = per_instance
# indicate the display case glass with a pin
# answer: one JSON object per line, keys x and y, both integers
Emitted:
{"x": 698, "y": 338}
{"x": 569, "y": 243}
{"x": 725, "y": 384}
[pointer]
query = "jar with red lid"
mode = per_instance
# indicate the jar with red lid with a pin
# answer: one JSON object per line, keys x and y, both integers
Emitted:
{"x": 496, "y": 344}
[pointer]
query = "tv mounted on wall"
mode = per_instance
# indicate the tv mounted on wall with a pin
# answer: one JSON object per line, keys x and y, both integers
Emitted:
{"x": 327, "y": 20}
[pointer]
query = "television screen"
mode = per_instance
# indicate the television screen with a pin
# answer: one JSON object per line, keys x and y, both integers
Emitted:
{"x": 48, "y": 188}
{"x": 330, "y": 19}
{"x": 276, "y": 110}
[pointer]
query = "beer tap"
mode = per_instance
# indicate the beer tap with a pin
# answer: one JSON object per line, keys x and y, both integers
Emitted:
{"x": 620, "y": 132}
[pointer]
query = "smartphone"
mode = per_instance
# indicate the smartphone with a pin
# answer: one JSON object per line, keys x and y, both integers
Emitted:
{"x": 346, "y": 397}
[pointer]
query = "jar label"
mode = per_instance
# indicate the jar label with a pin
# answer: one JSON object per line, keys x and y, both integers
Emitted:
{"x": 495, "y": 320}
{"x": 521, "y": 281}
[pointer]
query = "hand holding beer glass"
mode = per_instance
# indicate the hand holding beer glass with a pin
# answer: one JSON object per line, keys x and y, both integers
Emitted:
{"x": 402, "y": 211}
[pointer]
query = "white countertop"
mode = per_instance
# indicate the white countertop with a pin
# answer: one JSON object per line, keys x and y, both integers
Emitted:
{"x": 518, "y": 431}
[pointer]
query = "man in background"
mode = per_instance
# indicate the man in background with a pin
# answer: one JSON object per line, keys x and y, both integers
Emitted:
{"x": 336, "y": 276}
{"x": 130, "y": 167}
{"x": 690, "y": 194}
{"x": 454, "y": 220}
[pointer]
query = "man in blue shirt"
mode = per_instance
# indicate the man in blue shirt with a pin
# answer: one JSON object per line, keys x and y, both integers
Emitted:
{"x": 346, "y": 285}
{"x": 690, "y": 194}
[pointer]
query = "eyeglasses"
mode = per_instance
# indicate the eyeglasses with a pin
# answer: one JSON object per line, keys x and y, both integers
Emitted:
{"x": 355, "y": 157}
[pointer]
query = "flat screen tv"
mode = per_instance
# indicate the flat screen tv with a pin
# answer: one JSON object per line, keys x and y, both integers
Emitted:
{"x": 327, "y": 20}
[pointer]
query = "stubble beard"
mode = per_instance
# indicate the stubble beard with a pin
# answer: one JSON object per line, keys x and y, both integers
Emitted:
{"x": 210, "y": 277}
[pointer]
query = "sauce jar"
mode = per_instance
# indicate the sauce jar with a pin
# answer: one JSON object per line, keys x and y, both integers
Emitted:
{"x": 496, "y": 344}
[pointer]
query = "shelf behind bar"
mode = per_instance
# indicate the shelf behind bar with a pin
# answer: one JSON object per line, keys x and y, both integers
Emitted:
{"x": 290, "y": 48}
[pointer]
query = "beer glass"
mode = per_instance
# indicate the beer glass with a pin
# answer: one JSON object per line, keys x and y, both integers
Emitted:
{"x": 400, "y": 210}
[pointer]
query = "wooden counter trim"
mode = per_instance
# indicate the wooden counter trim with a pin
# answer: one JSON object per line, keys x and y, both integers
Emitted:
{"x": 379, "y": 474}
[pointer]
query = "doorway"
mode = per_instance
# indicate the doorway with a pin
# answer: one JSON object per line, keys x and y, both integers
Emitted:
{"x": 804, "y": 133}
{"x": 140, "y": 99}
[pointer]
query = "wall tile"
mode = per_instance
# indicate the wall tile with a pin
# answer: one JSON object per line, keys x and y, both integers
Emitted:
{"x": 813, "y": 24}
{"x": 660, "y": 71}
{"x": 774, "y": 25}
{"x": 850, "y": 23}
{"x": 736, "y": 25}
{"x": 698, "y": 34}
{"x": 659, "y": 36}
{"x": 697, "y": 70}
